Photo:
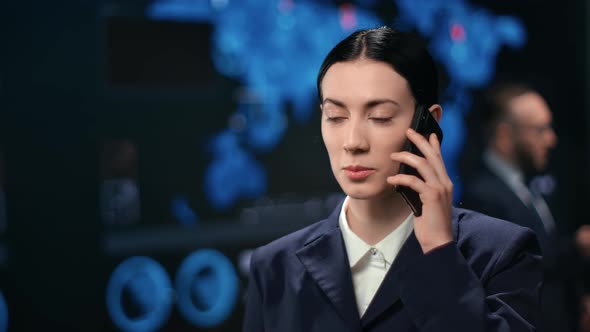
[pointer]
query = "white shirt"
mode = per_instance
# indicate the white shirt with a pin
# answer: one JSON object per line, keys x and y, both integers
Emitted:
{"x": 514, "y": 179}
{"x": 369, "y": 264}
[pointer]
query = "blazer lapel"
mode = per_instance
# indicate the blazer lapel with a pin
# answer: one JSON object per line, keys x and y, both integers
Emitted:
{"x": 326, "y": 262}
{"x": 389, "y": 292}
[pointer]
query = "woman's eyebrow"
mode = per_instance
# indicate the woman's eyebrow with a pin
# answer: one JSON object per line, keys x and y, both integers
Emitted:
{"x": 333, "y": 101}
{"x": 377, "y": 102}
{"x": 368, "y": 104}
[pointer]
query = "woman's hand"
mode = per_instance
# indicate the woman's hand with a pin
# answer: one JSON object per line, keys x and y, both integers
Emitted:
{"x": 433, "y": 227}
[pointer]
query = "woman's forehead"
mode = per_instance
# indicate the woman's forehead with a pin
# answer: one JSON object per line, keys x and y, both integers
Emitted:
{"x": 365, "y": 79}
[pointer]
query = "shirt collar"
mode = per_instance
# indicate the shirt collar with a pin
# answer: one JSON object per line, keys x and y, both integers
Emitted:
{"x": 510, "y": 175}
{"x": 390, "y": 246}
{"x": 393, "y": 242}
{"x": 502, "y": 168}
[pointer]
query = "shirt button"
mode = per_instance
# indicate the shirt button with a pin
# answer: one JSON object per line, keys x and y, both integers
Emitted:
{"x": 374, "y": 251}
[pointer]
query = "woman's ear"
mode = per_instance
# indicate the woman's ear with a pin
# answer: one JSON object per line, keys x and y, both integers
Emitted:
{"x": 436, "y": 111}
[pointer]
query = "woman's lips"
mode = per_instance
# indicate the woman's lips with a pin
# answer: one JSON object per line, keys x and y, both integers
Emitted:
{"x": 357, "y": 173}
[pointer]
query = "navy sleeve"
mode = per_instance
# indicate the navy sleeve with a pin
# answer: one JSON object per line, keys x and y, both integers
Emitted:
{"x": 253, "y": 319}
{"x": 508, "y": 300}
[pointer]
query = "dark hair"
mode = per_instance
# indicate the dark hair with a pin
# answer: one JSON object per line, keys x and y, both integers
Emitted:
{"x": 403, "y": 51}
{"x": 494, "y": 105}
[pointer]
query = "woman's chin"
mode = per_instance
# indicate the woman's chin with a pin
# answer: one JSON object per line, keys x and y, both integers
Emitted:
{"x": 367, "y": 192}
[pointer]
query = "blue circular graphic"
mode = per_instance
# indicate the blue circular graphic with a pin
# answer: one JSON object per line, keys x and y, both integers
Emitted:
{"x": 3, "y": 314}
{"x": 207, "y": 288}
{"x": 147, "y": 284}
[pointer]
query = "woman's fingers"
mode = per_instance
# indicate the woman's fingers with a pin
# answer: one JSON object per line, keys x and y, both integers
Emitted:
{"x": 432, "y": 153}
{"x": 427, "y": 192}
{"x": 439, "y": 167}
{"x": 409, "y": 181}
{"x": 417, "y": 162}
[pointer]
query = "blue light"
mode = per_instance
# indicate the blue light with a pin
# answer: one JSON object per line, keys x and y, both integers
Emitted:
{"x": 454, "y": 131}
{"x": 210, "y": 278}
{"x": 182, "y": 211}
{"x": 511, "y": 31}
{"x": 466, "y": 40}
{"x": 181, "y": 10}
{"x": 472, "y": 62}
{"x": 3, "y": 314}
{"x": 263, "y": 124}
{"x": 150, "y": 289}
{"x": 275, "y": 49}
{"x": 233, "y": 173}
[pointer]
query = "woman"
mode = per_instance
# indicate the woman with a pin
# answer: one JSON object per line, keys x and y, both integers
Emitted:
{"x": 372, "y": 265}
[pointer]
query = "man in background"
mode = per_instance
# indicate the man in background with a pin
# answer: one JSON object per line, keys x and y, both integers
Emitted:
{"x": 518, "y": 136}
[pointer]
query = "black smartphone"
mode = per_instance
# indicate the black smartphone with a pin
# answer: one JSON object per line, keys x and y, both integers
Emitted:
{"x": 425, "y": 124}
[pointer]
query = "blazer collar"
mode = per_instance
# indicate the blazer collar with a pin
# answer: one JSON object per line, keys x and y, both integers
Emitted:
{"x": 324, "y": 257}
{"x": 389, "y": 292}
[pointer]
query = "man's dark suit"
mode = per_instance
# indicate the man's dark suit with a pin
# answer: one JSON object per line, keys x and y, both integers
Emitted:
{"x": 486, "y": 280}
{"x": 487, "y": 193}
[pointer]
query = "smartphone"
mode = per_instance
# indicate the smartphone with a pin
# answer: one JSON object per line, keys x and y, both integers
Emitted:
{"x": 425, "y": 124}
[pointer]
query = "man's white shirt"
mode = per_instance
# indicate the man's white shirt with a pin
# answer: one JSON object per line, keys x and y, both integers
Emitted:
{"x": 514, "y": 179}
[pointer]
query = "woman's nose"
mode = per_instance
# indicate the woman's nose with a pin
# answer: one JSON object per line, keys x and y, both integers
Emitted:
{"x": 356, "y": 140}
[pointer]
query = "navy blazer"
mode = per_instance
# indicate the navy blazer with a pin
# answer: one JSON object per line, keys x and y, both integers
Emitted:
{"x": 487, "y": 193}
{"x": 488, "y": 279}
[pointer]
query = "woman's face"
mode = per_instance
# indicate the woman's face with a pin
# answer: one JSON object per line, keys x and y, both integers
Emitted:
{"x": 366, "y": 110}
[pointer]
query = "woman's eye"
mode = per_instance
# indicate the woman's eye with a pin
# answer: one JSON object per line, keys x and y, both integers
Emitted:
{"x": 381, "y": 120}
{"x": 335, "y": 119}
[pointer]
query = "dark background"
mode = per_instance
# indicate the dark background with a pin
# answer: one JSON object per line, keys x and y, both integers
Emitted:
{"x": 59, "y": 99}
